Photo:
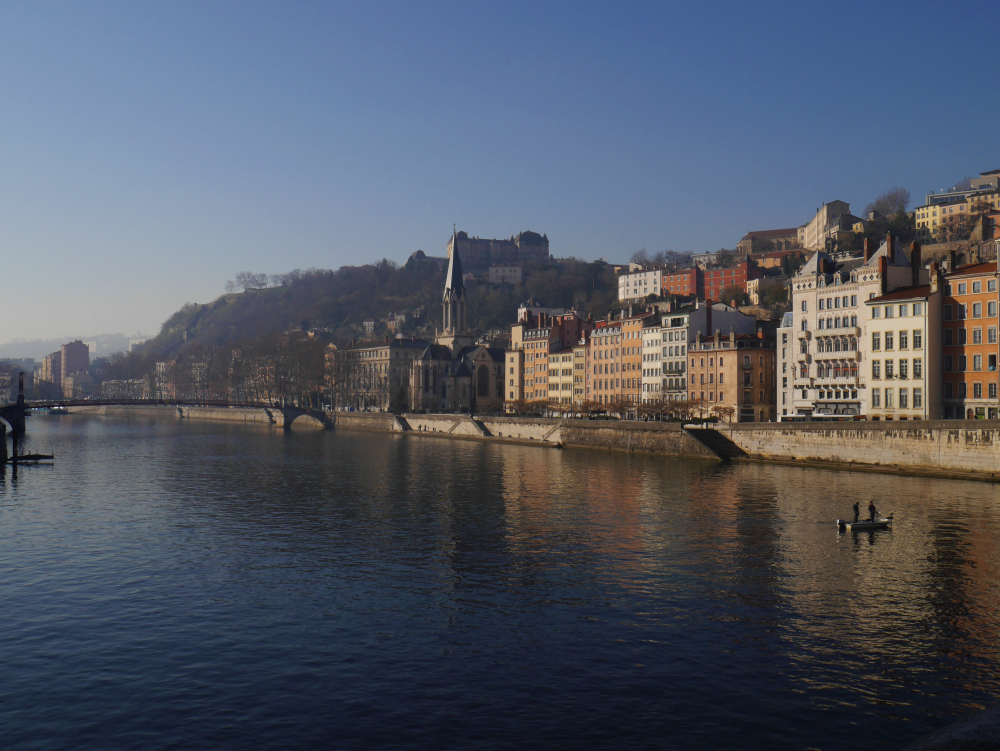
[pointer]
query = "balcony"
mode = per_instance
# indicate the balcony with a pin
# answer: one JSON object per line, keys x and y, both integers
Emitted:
{"x": 807, "y": 335}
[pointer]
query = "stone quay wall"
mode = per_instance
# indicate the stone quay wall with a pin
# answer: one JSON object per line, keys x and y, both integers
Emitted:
{"x": 225, "y": 414}
{"x": 932, "y": 446}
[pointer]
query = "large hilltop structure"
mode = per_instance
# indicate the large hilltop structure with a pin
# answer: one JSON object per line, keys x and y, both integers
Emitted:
{"x": 479, "y": 253}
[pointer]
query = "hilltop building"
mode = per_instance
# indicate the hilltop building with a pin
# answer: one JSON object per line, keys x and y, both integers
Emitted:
{"x": 479, "y": 253}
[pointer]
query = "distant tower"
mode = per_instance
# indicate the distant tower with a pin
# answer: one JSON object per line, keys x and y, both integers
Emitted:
{"x": 454, "y": 333}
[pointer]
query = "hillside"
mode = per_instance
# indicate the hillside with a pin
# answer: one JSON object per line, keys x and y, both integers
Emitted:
{"x": 339, "y": 301}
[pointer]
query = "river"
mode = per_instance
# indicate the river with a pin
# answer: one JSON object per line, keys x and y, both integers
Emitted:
{"x": 200, "y": 585}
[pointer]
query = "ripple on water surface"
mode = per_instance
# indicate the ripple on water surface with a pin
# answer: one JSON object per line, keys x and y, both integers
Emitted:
{"x": 181, "y": 585}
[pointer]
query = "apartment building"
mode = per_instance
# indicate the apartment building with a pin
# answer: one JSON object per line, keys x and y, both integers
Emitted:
{"x": 828, "y": 296}
{"x": 683, "y": 283}
{"x": 653, "y": 362}
{"x": 904, "y": 343}
{"x": 604, "y": 360}
{"x": 541, "y": 355}
{"x": 969, "y": 343}
{"x": 580, "y": 350}
{"x": 733, "y": 376}
{"x": 812, "y": 235}
{"x": 505, "y": 274}
{"x": 633, "y": 328}
{"x": 716, "y": 281}
{"x": 634, "y": 286}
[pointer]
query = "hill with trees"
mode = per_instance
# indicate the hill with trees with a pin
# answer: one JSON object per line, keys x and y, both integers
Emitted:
{"x": 338, "y": 302}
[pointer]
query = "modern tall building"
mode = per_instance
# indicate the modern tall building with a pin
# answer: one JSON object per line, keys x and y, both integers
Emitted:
{"x": 75, "y": 359}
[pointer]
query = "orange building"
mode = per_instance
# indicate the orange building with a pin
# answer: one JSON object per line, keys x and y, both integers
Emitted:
{"x": 604, "y": 361}
{"x": 716, "y": 281}
{"x": 535, "y": 341}
{"x": 631, "y": 357}
{"x": 734, "y": 376}
{"x": 969, "y": 343}
{"x": 683, "y": 282}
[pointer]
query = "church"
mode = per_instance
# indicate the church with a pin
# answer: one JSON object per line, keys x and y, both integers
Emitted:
{"x": 453, "y": 374}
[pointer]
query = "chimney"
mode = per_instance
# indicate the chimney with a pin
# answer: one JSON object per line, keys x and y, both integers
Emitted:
{"x": 915, "y": 263}
{"x": 868, "y": 249}
{"x": 952, "y": 261}
{"x": 934, "y": 277}
{"x": 732, "y": 337}
{"x": 883, "y": 271}
{"x": 890, "y": 247}
{"x": 717, "y": 338}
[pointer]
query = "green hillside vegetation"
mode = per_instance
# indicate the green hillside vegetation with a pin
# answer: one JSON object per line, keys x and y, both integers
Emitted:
{"x": 339, "y": 301}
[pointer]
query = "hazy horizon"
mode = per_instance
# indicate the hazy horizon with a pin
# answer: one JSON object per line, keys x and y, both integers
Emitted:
{"x": 151, "y": 152}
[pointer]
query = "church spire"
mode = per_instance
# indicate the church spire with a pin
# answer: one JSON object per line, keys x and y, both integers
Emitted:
{"x": 453, "y": 282}
{"x": 453, "y": 300}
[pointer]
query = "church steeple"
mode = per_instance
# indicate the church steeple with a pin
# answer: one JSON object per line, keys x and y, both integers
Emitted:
{"x": 453, "y": 300}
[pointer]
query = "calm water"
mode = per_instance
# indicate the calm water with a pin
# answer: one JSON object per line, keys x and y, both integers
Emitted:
{"x": 178, "y": 585}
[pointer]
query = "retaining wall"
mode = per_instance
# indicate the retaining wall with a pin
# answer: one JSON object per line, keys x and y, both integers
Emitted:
{"x": 938, "y": 445}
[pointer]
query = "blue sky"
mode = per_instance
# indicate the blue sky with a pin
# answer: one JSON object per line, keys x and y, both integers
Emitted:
{"x": 151, "y": 150}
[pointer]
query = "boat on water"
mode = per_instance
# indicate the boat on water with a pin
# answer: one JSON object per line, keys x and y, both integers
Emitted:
{"x": 864, "y": 525}
{"x": 60, "y": 410}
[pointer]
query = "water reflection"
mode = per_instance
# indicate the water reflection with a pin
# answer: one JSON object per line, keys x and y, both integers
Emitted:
{"x": 283, "y": 590}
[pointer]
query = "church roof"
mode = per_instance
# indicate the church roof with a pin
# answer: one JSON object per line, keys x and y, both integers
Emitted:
{"x": 463, "y": 371}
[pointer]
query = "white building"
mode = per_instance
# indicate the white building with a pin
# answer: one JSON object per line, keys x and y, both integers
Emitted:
{"x": 636, "y": 285}
{"x": 825, "y": 354}
{"x": 904, "y": 344}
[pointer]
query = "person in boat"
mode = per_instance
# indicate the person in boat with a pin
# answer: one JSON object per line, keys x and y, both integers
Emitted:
{"x": 857, "y": 512}
{"x": 871, "y": 511}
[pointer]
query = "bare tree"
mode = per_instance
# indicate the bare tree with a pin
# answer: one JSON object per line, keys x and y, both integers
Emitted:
{"x": 640, "y": 256}
{"x": 230, "y": 287}
{"x": 890, "y": 202}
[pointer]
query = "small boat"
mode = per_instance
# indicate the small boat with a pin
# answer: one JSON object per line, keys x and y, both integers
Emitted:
{"x": 58, "y": 410}
{"x": 864, "y": 525}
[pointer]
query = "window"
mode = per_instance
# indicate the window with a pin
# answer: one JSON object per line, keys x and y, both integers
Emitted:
{"x": 888, "y": 399}
{"x": 836, "y": 302}
{"x": 876, "y": 341}
{"x": 903, "y": 369}
{"x": 961, "y": 288}
{"x": 904, "y": 310}
{"x": 977, "y": 310}
{"x": 805, "y": 306}
{"x": 962, "y": 363}
{"x": 888, "y": 340}
{"x": 962, "y": 336}
{"x": 963, "y": 389}
{"x": 948, "y": 335}
{"x": 977, "y": 391}
{"x": 948, "y": 364}
{"x": 876, "y": 312}
{"x": 888, "y": 369}
{"x": 947, "y": 312}
{"x": 991, "y": 285}
{"x": 947, "y": 389}
{"x": 918, "y": 339}
{"x": 805, "y": 325}
{"x": 977, "y": 363}
{"x": 918, "y": 309}
{"x": 918, "y": 367}
{"x": 876, "y": 401}
{"x": 977, "y": 336}
{"x": 963, "y": 311}
{"x": 822, "y": 323}
{"x": 977, "y": 287}
{"x": 904, "y": 340}
{"x": 918, "y": 398}
{"x": 888, "y": 311}
{"x": 993, "y": 390}
{"x": 904, "y": 399}
{"x": 822, "y": 304}
{"x": 854, "y": 300}
{"x": 876, "y": 368}
{"x": 992, "y": 362}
